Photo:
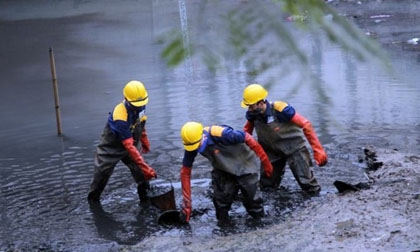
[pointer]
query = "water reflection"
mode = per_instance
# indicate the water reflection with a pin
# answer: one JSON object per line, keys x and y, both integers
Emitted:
{"x": 109, "y": 228}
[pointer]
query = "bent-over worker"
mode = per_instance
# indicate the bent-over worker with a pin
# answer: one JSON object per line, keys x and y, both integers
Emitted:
{"x": 233, "y": 155}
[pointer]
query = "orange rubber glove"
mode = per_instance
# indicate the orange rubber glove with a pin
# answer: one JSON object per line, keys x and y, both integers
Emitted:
{"x": 145, "y": 144}
{"x": 256, "y": 147}
{"x": 185, "y": 214}
{"x": 249, "y": 127}
{"x": 148, "y": 171}
{"x": 320, "y": 156}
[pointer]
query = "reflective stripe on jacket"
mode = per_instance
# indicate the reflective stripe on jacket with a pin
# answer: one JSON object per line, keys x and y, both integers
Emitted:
{"x": 126, "y": 121}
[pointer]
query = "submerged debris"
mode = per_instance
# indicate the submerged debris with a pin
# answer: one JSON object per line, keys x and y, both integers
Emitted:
{"x": 343, "y": 187}
{"x": 371, "y": 159}
{"x": 372, "y": 165}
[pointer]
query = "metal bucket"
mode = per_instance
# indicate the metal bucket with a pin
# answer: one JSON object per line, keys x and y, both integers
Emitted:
{"x": 161, "y": 194}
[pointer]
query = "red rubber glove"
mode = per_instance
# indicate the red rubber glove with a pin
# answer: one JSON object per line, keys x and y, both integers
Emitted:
{"x": 256, "y": 147}
{"x": 249, "y": 127}
{"x": 148, "y": 171}
{"x": 145, "y": 145}
{"x": 185, "y": 214}
{"x": 320, "y": 155}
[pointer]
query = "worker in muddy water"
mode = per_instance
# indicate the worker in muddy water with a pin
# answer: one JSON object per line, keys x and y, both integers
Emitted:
{"x": 283, "y": 133}
{"x": 233, "y": 155}
{"x": 123, "y": 138}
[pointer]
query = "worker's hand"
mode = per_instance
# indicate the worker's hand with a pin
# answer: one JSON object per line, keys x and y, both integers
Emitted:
{"x": 268, "y": 167}
{"x": 184, "y": 216}
{"x": 135, "y": 155}
{"x": 319, "y": 153}
{"x": 148, "y": 172}
{"x": 145, "y": 147}
{"x": 320, "y": 157}
{"x": 256, "y": 147}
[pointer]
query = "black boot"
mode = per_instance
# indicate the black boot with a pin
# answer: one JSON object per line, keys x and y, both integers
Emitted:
{"x": 96, "y": 188}
{"x": 142, "y": 192}
{"x": 222, "y": 215}
{"x": 257, "y": 214}
{"x": 223, "y": 219}
{"x": 94, "y": 196}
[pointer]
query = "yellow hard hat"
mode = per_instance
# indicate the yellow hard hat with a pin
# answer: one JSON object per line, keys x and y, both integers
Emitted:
{"x": 253, "y": 93}
{"x": 191, "y": 134}
{"x": 135, "y": 93}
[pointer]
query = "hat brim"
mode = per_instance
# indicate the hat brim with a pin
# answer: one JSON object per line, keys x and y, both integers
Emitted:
{"x": 192, "y": 147}
{"x": 243, "y": 105}
{"x": 139, "y": 103}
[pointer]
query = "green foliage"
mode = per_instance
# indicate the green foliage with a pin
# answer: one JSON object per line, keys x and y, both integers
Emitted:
{"x": 175, "y": 52}
{"x": 266, "y": 34}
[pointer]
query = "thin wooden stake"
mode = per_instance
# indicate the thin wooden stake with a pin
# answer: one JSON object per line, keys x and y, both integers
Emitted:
{"x": 56, "y": 98}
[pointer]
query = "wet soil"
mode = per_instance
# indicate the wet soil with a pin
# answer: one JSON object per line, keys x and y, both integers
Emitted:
{"x": 382, "y": 216}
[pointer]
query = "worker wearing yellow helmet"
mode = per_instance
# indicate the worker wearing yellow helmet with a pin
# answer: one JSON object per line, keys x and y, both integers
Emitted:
{"x": 233, "y": 156}
{"x": 283, "y": 133}
{"x": 123, "y": 136}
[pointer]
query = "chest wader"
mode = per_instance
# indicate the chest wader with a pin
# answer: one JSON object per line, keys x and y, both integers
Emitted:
{"x": 136, "y": 130}
{"x": 235, "y": 167}
{"x": 285, "y": 143}
{"x": 108, "y": 153}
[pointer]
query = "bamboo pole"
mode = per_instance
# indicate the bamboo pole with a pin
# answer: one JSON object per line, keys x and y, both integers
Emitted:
{"x": 56, "y": 98}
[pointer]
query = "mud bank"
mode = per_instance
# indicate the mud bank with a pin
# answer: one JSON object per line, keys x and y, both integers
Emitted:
{"x": 384, "y": 217}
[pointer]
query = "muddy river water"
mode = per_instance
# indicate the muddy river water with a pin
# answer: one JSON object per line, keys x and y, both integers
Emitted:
{"x": 98, "y": 47}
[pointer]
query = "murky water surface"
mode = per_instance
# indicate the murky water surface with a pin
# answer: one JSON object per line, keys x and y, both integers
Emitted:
{"x": 98, "y": 48}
